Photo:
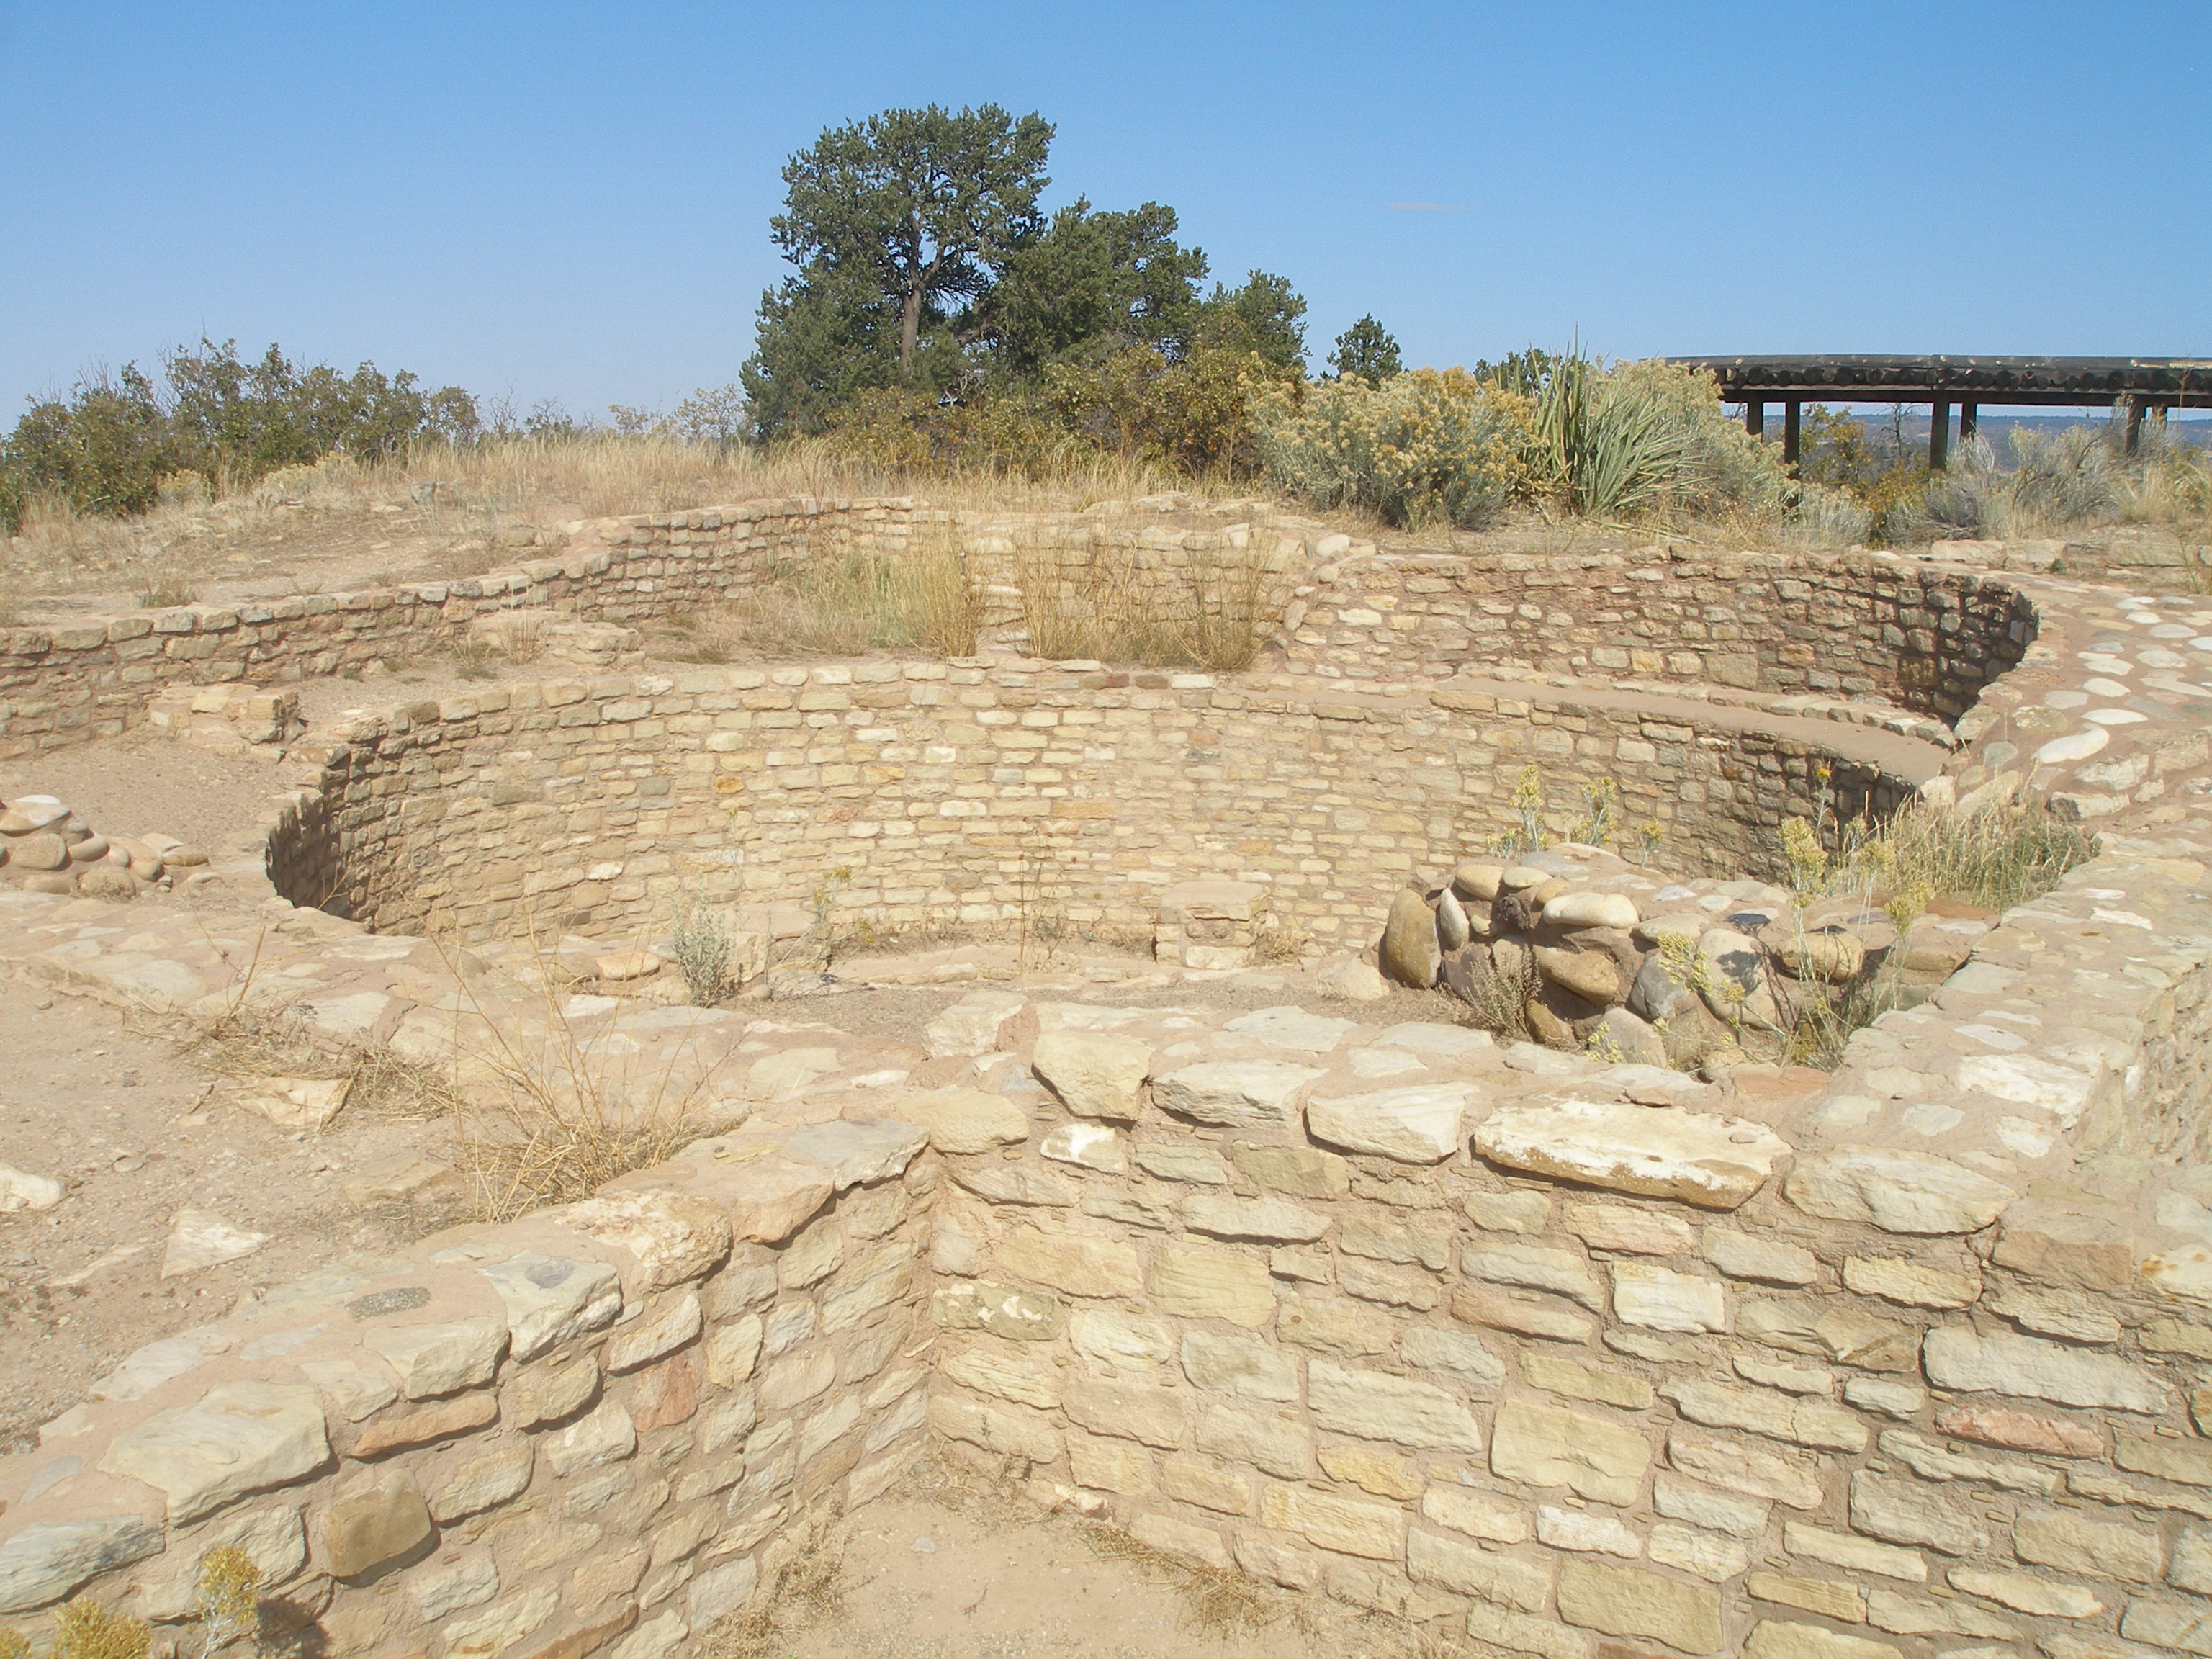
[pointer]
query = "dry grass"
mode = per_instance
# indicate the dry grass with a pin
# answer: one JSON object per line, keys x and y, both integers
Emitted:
{"x": 1218, "y": 1602}
{"x": 808, "y": 1590}
{"x": 547, "y": 1118}
{"x": 842, "y": 606}
{"x": 1109, "y": 605}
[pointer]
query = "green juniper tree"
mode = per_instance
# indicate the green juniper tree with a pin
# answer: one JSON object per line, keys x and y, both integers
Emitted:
{"x": 1365, "y": 351}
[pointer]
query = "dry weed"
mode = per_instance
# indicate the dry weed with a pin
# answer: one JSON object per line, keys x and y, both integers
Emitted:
{"x": 1219, "y": 1602}
{"x": 550, "y": 1118}
{"x": 808, "y": 1590}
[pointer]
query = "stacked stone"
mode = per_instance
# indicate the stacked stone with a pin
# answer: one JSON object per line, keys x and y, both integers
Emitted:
{"x": 72, "y": 682}
{"x": 1929, "y": 636}
{"x": 598, "y": 1426}
{"x": 1566, "y": 1368}
{"x": 1211, "y": 924}
{"x": 46, "y": 847}
{"x": 1652, "y": 970}
{"x": 228, "y": 718}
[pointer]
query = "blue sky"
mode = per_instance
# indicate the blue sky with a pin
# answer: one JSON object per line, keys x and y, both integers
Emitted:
{"x": 571, "y": 201}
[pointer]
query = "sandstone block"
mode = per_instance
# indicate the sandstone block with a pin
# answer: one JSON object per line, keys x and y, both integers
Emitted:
{"x": 1852, "y": 1553}
{"x": 1471, "y": 1364}
{"x": 1590, "y": 975}
{"x": 2167, "y": 1625}
{"x": 1718, "y": 1511}
{"x": 1528, "y": 1315}
{"x": 1627, "y": 1227}
{"x": 1434, "y": 1559}
{"x": 1710, "y": 1556}
{"x": 1544, "y": 1637}
{"x": 1776, "y": 1639}
{"x": 1551, "y": 1446}
{"x": 2077, "y": 1542}
{"x": 2025, "y": 1593}
{"x": 1699, "y": 1158}
{"x": 2018, "y": 1431}
{"x": 1109, "y": 1465}
{"x": 1898, "y": 1192}
{"x": 1131, "y": 1411}
{"x": 965, "y": 1121}
{"x": 1192, "y": 1283}
{"x": 1905, "y": 1512}
{"x": 1410, "y": 952}
{"x": 971, "y": 1026}
{"x": 547, "y": 1393}
{"x": 548, "y": 1300}
{"x": 1079, "y": 1265}
{"x": 492, "y": 1630}
{"x": 1557, "y": 1375}
{"x": 1960, "y": 1358}
{"x": 606, "y": 1436}
{"x": 674, "y": 1237}
{"x": 733, "y": 1351}
{"x": 484, "y": 1482}
{"x": 1234, "y": 1093}
{"x": 1333, "y": 1324}
{"x": 1586, "y": 1534}
{"x": 1198, "y": 1165}
{"x": 1209, "y": 1485}
{"x": 1173, "y": 1537}
{"x": 43, "y": 1563}
{"x": 2189, "y": 1462}
{"x": 1741, "y": 1256}
{"x": 1477, "y": 1513}
{"x": 1590, "y": 911}
{"x": 1094, "y": 1074}
{"x": 994, "y": 1428}
{"x": 1511, "y": 1212}
{"x": 1125, "y": 1344}
{"x": 1629, "y": 1601}
{"x": 358, "y": 1533}
{"x": 1910, "y": 1283}
{"x": 1660, "y": 1299}
{"x": 423, "y": 1425}
{"x": 1279, "y": 1446}
{"x": 1267, "y": 1220}
{"x": 1238, "y": 1365}
{"x": 1803, "y": 1422}
{"x": 237, "y": 1438}
{"x": 1019, "y": 1316}
{"x": 1341, "y": 1524}
{"x": 1417, "y": 1125}
{"x": 1737, "y": 1467}
{"x": 1090, "y": 1145}
{"x": 1377, "y": 1406}
{"x": 663, "y": 1329}
{"x": 1009, "y": 1376}
{"x": 1302, "y": 1171}
{"x": 1535, "y": 1267}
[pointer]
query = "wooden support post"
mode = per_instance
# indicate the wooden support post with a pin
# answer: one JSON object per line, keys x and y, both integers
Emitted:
{"x": 1789, "y": 413}
{"x": 1939, "y": 436}
{"x": 1754, "y": 417}
{"x": 1970, "y": 419}
{"x": 2135, "y": 423}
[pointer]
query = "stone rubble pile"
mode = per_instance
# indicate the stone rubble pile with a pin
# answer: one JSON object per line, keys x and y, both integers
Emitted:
{"x": 1658, "y": 971}
{"x": 233, "y": 717}
{"x": 45, "y": 848}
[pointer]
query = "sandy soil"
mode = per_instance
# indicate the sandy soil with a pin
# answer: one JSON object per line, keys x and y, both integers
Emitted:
{"x": 138, "y": 1132}
{"x": 946, "y": 1567}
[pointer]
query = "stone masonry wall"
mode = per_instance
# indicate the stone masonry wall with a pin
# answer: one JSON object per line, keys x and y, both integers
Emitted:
{"x": 1929, "y": 636}
{"x": 71, "y": 682}
{"x": 962, "y": 791}
{"x": 597, "y": 1426}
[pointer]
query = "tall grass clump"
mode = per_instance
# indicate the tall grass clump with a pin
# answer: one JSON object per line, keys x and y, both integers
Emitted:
{"x": 1107, "y": 604}
{"x": 841, "y": 605}
{"x": 2058, "y": 481}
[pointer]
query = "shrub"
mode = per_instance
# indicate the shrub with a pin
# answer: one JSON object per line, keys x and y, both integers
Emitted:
{"x": 705, "y": 952}
{"x": 1195, "y": 412}
{"x": 86, "y": 1630}
{"x": 1712, "y": 467}
{"x": 1423, "y": 447}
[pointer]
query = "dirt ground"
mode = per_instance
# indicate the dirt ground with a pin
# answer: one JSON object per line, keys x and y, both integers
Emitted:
{"x": 117, "y": 1111}
{"x": 946, "y": 1567}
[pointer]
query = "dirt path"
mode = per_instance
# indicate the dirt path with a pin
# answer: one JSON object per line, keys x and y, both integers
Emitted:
{"x": 139, "y": 1132}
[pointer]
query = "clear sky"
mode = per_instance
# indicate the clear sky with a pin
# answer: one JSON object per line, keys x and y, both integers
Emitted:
{"x": 571, "y": 201}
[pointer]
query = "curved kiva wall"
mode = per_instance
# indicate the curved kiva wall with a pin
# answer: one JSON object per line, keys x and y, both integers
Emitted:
{"x": 962, "y": 791}
{"x": 1376, "y": 750}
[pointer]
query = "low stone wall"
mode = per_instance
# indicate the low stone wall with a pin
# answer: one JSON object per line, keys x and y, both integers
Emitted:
{"x": 597, "y": 1427}
{"x": 72, "y": 682}
{"x": 922, "y": 791}
{"x": 1930, "y": 636}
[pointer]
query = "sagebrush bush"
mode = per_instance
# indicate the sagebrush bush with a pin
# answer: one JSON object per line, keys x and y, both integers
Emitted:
{"x": 1717, "y": 469}
{"x": 1423, "y": 447}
